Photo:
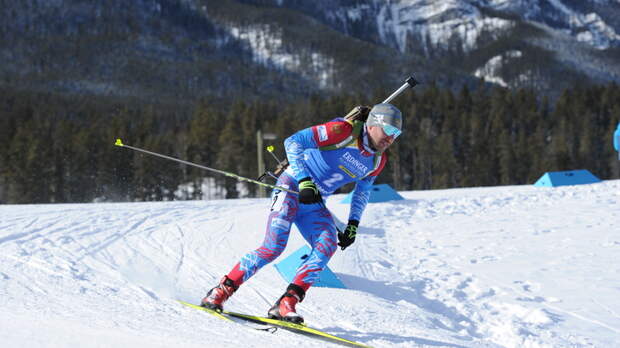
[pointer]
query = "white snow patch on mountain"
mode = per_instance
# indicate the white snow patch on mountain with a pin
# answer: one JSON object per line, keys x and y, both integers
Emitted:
{"x": 589, "y": 28}
{"x": 592, "y": 29}
{"x": 266, "y": 44}
{"x": 491, "y": 71}
{"x": 269, "y": 49}
{"x": 435, "y": 23}
{"x": 355, "y": 13}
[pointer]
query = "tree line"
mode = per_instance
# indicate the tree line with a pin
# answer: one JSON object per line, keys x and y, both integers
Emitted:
{"x": 59, "y": 148}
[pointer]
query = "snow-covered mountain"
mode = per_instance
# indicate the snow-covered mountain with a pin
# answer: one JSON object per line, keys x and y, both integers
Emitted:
{"x": 468, "y": 30}
{"x": 277, "y": 48}
{"x": 436, "y": 23}
{"x": 515, "y": 266}
{"x": 590, "y": 21}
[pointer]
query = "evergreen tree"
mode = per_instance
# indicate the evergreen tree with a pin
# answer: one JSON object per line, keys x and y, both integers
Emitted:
{"x": 59, "y": 149}
{"x": 230, "y": 153}
{"x": 28, "y": 166}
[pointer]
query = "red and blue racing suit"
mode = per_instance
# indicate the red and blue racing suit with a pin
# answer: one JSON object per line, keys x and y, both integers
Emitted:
{"x": 329, "y": 170}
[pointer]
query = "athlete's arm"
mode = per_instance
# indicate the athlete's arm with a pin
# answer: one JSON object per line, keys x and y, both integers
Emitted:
{"x": 294, "y": 147}
{"x": 314, "y": 137}
{"x": 361, "y": 193}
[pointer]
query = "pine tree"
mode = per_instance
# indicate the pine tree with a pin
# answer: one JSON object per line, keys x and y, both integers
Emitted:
{"x": 203, "y": 143}
{"x": 230, "y": 153}
{"x": 28, "y": 169}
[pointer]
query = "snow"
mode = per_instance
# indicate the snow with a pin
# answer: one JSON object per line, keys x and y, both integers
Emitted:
{"x": 435, "y": 23}
{"x": 597, "y": 32}
{"x": 491, "y": 71}
{"x": 269, "y": 49}
{"x": 589, "y": 28}
{"x": 515, "y": 266}
{"x": 355, "y": 12}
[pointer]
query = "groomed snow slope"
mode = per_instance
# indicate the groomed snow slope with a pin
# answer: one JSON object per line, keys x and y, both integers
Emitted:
{"x": 511, "y": 266}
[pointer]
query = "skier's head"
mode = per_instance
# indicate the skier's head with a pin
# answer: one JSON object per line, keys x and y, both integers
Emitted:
{"x": 385, "y": 124}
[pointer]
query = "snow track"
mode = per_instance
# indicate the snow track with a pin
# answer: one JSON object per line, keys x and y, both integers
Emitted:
{"x": 480, "y": 267}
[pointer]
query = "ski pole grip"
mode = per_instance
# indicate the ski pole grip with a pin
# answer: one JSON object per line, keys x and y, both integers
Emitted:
{"x": 409, "y": 83}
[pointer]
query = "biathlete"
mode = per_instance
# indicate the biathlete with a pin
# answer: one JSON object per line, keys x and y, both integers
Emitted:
{"x": 322, "y": 158}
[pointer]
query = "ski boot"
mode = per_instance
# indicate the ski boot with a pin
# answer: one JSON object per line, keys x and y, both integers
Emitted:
{"x": 284, "y": 309}
{"x": 218, "y": 295}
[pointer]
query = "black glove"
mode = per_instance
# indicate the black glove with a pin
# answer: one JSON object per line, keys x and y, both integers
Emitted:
{"x": 308, "y": 192}
{"x": 347, "y": 237}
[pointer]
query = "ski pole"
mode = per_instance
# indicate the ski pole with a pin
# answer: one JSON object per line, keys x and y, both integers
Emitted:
{"x": 409, "y": 83}
{"x": 279, "y": 169}
{"x": 232, "y": 175}
{"x": 270, "y": 150}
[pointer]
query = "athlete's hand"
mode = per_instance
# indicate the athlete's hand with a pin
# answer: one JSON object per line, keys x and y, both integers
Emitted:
{"x": 308, "y": 192}
{"x": 346, "y": 238}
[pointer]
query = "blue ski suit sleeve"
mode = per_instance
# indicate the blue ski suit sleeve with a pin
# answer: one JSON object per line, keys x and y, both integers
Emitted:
{"x": 295, "y": 146}
{"x": 361, "y": 194}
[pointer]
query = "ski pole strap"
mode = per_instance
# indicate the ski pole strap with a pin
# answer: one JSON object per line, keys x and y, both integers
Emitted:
{"x": 232, "y": 175}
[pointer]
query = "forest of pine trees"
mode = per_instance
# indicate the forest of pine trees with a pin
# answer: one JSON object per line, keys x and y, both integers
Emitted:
{"x": 56, "y": 148}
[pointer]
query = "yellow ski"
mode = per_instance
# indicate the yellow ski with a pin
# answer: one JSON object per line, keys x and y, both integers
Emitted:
{"x": 210, "y": 311}
{"x": 273, "y": 323}
{"x": 297, "y": 328}
{"x": 219, "y": 315}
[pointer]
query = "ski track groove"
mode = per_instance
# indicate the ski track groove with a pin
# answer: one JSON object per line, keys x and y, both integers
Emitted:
{"x": 17, "y": 237}
{"x": 179, "y": 265}
{"x": 100, "y": 246}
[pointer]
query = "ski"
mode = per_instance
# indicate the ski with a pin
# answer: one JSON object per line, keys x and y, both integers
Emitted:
{"x": 273, "y": 324}
{"x": 296, "y": 328}
{"x": 270, "y": 328}
{"x": 210, "y": 311}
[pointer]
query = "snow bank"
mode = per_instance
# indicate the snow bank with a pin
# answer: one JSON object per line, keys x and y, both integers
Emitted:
{"x": 511, "y": 266}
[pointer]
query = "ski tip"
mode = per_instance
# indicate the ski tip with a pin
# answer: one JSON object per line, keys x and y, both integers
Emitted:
{"x": 119, "y": 142}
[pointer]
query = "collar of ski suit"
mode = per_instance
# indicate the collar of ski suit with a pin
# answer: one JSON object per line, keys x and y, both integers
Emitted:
{"x": 364, "y": 143}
